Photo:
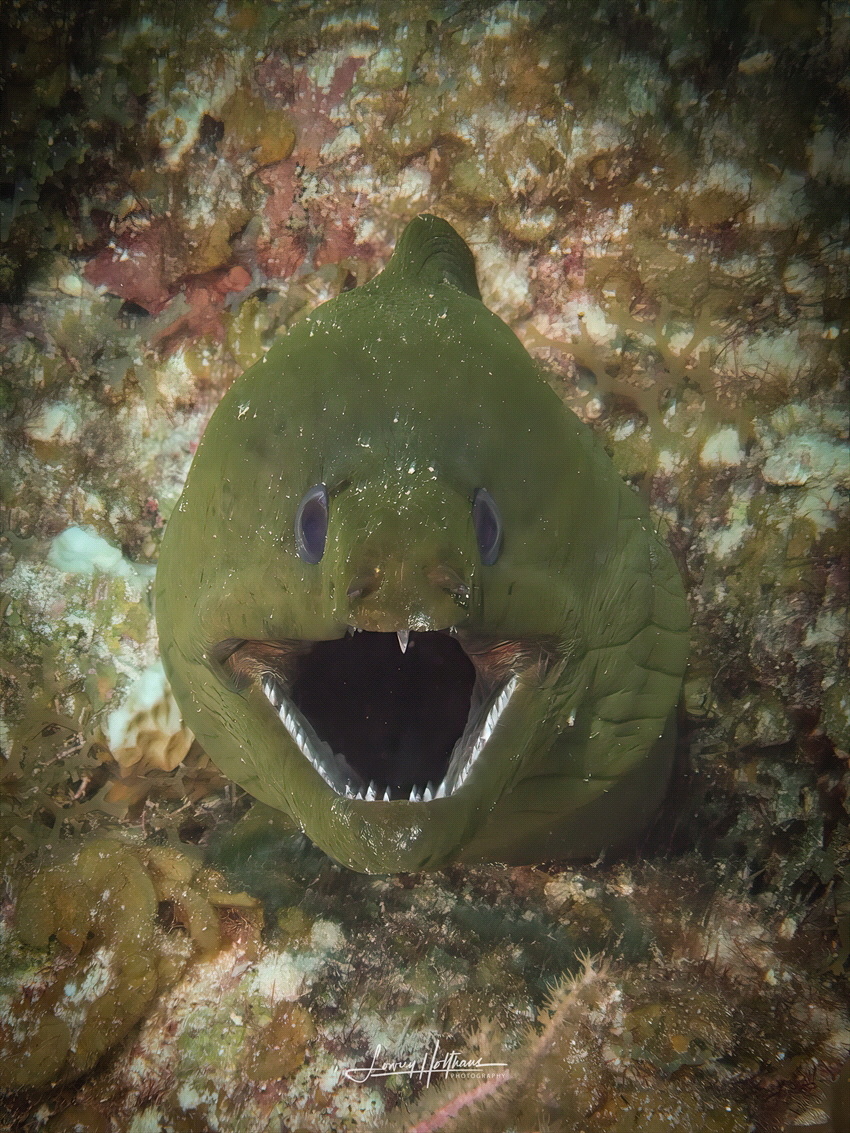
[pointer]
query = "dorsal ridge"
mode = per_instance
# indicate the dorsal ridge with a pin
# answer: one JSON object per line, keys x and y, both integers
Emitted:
{"x": 432, "y": 253}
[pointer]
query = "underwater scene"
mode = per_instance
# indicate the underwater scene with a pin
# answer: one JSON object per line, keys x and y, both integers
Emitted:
{"x": 519, "y": 333}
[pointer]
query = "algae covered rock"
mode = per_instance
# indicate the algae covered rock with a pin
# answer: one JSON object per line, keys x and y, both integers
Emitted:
{"x": 99, "y": 907}
{"x": 279, "y": 1048}
{"x": 87, "y": 954}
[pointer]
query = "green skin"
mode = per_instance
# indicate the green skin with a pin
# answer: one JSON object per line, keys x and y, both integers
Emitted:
{"x": 405, "y": 396}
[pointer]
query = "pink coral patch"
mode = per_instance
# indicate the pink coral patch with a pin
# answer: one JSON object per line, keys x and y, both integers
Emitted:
{"x": 337, "y": 219}
{"x": 206, "y": 295}
{"x": 282, "y": 248}
{"x": 137, "y": 266}
{"x": 307, "y": 104}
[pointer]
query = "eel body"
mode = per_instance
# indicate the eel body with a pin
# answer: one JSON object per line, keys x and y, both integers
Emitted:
{"x": 405, "y": 598}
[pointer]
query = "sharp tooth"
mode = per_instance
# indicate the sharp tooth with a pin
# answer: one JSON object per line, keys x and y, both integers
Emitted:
{"x": 272, "y": 692}
{"x": 326, "y": 752}
{"x": 488, "y": 727}
{"x": 350, "y": 631}
{"x": 387, "y": 798}
{"x": 402, "y": 635}
{"x": 415, "y": 795}
{"x": 428, "y": 794}
{"x": 441, "y": 791}
{"x": 371, "y": 793}
{"x": 349, "y": 794}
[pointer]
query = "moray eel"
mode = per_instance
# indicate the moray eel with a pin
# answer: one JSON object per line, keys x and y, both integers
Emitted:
{"x": 405, "y": 598}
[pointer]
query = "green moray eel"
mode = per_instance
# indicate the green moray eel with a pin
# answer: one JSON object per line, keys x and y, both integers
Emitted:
{"x": 405, "y": 598}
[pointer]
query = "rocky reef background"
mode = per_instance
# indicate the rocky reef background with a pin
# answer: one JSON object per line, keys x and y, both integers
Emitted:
{"x": 658, "y": 197}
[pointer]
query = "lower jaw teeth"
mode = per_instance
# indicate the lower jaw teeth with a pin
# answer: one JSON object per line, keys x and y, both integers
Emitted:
{"x": 373, "y": 793}
{"x": 342, "y": 778}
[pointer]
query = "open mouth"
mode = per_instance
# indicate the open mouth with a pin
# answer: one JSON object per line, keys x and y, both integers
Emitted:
{"x": 385, "y": 717}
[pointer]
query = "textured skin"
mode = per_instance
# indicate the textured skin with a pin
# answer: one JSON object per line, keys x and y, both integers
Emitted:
{"x": 412, "y": 395}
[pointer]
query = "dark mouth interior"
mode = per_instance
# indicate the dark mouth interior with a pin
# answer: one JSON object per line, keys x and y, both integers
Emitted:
{"x": 394, "y": 716}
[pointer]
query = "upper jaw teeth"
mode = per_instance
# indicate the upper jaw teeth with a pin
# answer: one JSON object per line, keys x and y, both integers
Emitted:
{"x": 333, "y": 769}
{"x": 347, "y": 783}
{"x": 403, "y": 636}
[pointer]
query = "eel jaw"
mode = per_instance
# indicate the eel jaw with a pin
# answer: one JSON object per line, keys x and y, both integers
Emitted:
{"x": 389, "y": 717}
{"x": 341, "y": 777}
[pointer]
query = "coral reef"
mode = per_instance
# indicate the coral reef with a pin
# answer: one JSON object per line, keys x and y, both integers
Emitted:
{"x": 657, "y": 197}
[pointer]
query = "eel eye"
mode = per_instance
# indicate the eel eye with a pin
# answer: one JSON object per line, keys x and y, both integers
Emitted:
{"x": 311, "y": 524}
{"x": 488, "y": 526}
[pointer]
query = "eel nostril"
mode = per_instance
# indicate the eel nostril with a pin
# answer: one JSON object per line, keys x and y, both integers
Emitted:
{"x": 364, "y": 585}
{"x": 446, "y": 578}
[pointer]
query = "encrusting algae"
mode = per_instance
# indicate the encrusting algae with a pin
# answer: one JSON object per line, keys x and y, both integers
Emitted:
{"x": 656, "y": 198}
{"x": 90, "y": 954}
